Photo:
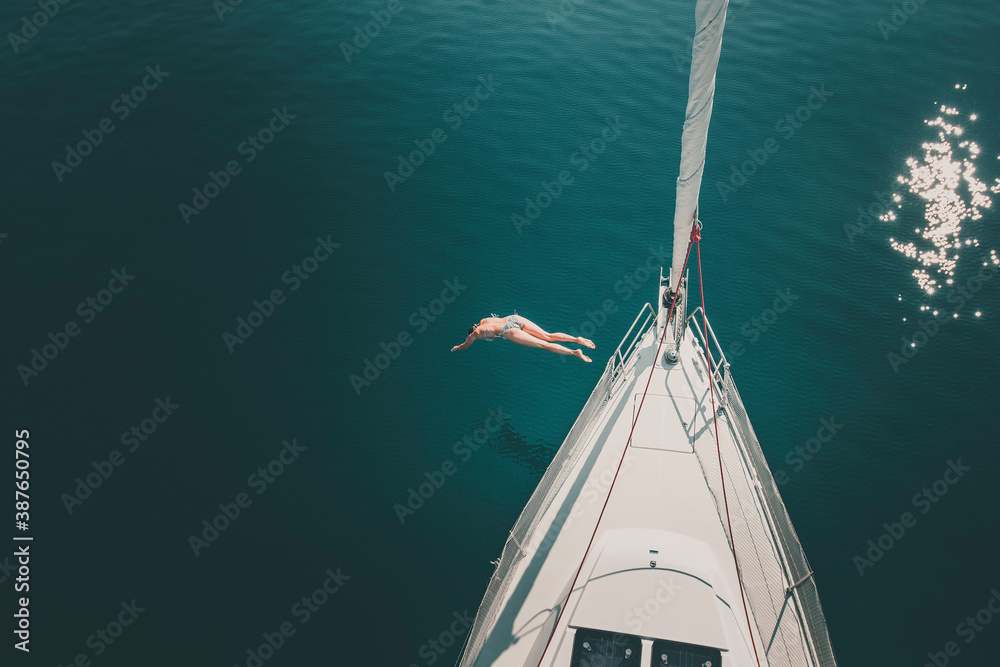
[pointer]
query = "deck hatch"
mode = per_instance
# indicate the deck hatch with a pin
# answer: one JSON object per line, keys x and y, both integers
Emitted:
{"x": 596, "y": 648}
{"x": 665, "y": 423}
{"x": 676, "y": 654}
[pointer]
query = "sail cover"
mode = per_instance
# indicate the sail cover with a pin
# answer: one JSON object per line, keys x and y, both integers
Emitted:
{"x": 710, "y": 18}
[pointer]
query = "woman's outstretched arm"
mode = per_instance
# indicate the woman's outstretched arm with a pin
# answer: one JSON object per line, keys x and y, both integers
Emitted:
{"x": 464, "y": 346}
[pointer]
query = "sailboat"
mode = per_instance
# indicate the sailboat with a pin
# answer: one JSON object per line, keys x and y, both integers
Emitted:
{"x": 657, "y": 537}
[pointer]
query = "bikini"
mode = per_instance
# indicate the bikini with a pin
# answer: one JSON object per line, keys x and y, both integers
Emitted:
{"x": 511, "y": 322}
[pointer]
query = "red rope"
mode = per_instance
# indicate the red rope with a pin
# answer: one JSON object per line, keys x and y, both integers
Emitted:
{"x": 695, "y": 236}
{"x": 718, "y": 448}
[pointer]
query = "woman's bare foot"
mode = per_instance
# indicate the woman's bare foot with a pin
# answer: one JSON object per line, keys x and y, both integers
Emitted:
{"x": 580, "y": 355}
{"x": 585, "y": 341}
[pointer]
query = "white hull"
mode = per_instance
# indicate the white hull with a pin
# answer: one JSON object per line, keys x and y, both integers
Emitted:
{"x": 661, "y": 564}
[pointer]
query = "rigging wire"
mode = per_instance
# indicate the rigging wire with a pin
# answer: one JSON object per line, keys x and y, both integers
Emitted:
{"x": 695, "y": 240}
{"x": 718, "y": 448}
{"x": 565, "y": 602}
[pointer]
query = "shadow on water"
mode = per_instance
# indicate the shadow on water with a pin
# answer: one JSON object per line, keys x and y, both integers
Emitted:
{"x": 512, "y": 445}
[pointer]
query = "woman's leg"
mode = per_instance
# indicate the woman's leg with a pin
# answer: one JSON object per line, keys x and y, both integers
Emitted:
{"x": 538, "y": 332}
{"x": 521, "y": 338}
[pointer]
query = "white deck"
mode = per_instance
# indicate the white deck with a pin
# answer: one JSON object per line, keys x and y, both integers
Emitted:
{"x": 661, "y": 566}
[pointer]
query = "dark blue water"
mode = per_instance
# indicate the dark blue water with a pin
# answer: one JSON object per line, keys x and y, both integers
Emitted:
{"x": 272, "y": 82}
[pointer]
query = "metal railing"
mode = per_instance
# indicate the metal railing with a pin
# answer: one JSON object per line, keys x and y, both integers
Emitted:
{"x": 616, "y": 364}
{"x": 799, "y": 584}
{"x": 720, "y": 367}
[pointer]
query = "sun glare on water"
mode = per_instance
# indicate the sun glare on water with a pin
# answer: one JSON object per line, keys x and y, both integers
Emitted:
{"x": 945, "y": 181}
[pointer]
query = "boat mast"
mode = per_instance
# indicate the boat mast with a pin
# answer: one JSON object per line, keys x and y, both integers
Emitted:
{"x": 710, "y": 20}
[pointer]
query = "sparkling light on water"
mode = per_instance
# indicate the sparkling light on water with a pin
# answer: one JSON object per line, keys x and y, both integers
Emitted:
{"x": 944, "y": 177}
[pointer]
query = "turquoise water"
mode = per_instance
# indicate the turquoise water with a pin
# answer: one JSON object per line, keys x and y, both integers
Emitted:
{"x": 549, "y": 77}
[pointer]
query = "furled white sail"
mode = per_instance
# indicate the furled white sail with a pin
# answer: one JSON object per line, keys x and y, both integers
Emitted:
{"x": 710, "y": 17}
